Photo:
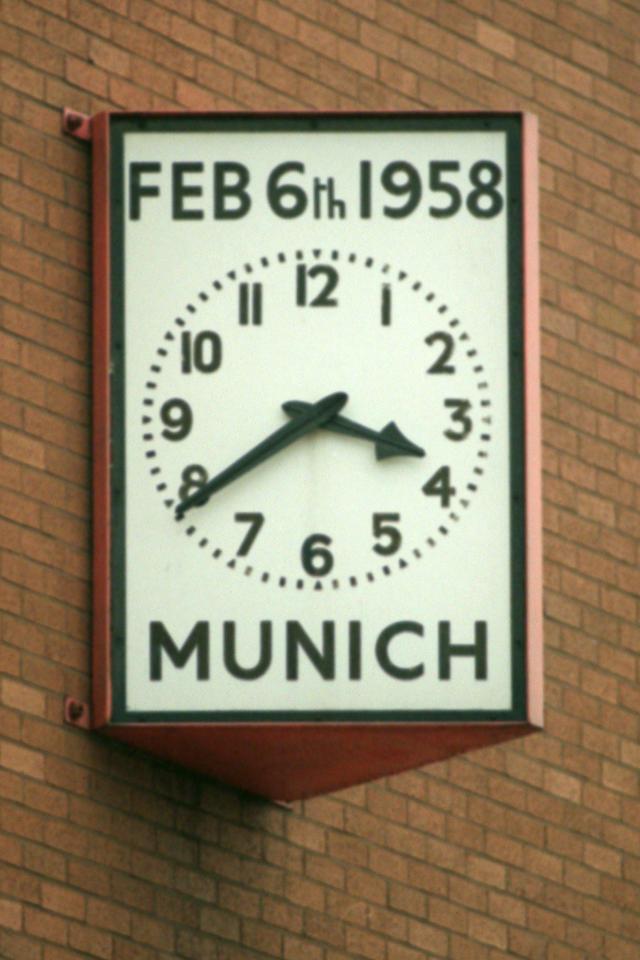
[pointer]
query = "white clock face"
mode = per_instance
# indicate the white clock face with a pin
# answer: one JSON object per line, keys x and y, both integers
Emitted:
{"x": 269, "y": 563}
{"x": 339, "y": 508}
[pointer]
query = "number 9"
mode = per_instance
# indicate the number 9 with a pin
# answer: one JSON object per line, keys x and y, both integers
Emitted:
{"x": 178, "y": 419}
{"x": 402, "y": 180}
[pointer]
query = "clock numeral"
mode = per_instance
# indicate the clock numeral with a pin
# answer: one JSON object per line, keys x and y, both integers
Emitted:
{"x": 485, "y": 201}
{"x": 383, "y": 528}
{"x": 287, "y": 200}
{"x": 438, "y": 185}
{"x": 439, "y": 485}
{"x": 401, "y": 179}
{"x": 385, "y": 305}
{"x": 460, "y": 418}
{"x": 255, "y": 521}
{"x": 365, "y": 189}
{"x": 193, "y": 478}
{"x": 202, "y": 352}
{"x": 250, "y": 304}
{"x": 178, "y": 419}
{"x": 317, "y": 559}
{"x": 324, "y": 296}
{"x": 441, "y": 363}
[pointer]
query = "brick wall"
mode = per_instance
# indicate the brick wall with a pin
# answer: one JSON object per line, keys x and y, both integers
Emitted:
{"x": 530, "y": 850}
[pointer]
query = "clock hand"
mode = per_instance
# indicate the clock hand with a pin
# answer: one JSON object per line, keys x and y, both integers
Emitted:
{"x": 313, "y": 416}
{"x": 389, "y": 442}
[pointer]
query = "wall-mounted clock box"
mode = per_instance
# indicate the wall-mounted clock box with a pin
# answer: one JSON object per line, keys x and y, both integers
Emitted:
{"x": 317, "y": 505}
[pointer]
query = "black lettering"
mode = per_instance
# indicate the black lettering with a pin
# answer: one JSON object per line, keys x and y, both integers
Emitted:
{"x": 365, "y": 189}
{"x": 324, "y": 196}
{"x": 355, "y": 650}
{"x": 382, "y": 650}
{"x": 287, "y": 200}
{"x": 477, "y": 650}
{"x": 229, "y": 652}
{"x": 324, "y": 661}
{"x": 230, "y": 182}
{"x": 329, "y": 279}
{"x": 180, "y": 190}
{"x": 250, "y": 304}
{"x": 401, "y": 179}
{"x": 385, "y": 307}
{"x": 136, "y": 188}
{"x": 160, "y": 639}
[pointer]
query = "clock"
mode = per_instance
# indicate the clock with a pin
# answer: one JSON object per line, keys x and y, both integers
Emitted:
{"x": 311, "y": 495}
{"x": 366, "y": 495}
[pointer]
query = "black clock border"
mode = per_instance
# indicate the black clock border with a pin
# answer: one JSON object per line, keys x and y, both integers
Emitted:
{"x": 511, "y": 125}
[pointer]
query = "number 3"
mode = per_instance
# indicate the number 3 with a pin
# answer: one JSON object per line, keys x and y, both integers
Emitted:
{"x": 460, "y": 417}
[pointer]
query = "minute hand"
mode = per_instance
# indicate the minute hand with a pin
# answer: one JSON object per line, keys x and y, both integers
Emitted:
{"x": 389, "y": 442}
{"x": 313, "y": 416}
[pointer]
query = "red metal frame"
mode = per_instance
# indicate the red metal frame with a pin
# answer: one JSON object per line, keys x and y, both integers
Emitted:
{"x": 292, "y": 761}
{"x": 533, "y": 440}
{"x": 101, "y": 679}
{"x": 280, "y": 760}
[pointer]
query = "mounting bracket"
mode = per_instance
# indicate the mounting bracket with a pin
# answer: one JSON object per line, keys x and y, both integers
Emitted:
{"x": 76, "y": 124}
{"x": 77, "y": 713}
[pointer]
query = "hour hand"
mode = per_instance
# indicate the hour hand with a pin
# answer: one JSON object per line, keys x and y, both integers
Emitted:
{"x": 389, "y": 442}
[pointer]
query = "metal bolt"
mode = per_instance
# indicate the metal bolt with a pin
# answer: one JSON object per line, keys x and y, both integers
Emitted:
{"x": 74, "y": 121}
{"x": 76, "y": 710}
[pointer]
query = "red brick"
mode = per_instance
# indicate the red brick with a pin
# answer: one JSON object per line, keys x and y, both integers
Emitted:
{"x": 41, "y": 924}
{"x": 88, "y": 16}
{"x": 90, "y": 942}
{"x": 109, "y": 57}
{"x": 495, "y": 39}
{"x": 356, "y": 58}
{"x": 366, "y": 885}
{"x": 24, "y": 262}
{"x": 362, "y": 943}
{"x": 86, "y": 77}
{"x": 620, "y": 779}
{"x": 21, "y": 696}
{"x": 447, "y": 915}
{"x": 492, "y": 932}
{"x": 108, "y": 916}
{"x": 23, "y": 78}
{"x": 428, "y": 938}
{"x": 275, "y": 18}
{"x": 22, "y": 760}
{"x": 486, "y": 872}
{"x": 10, "y": 914}
{"x": 67, "y": 903}
{"x": 259, "y": 937}
{"x": 155, "y": 933}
